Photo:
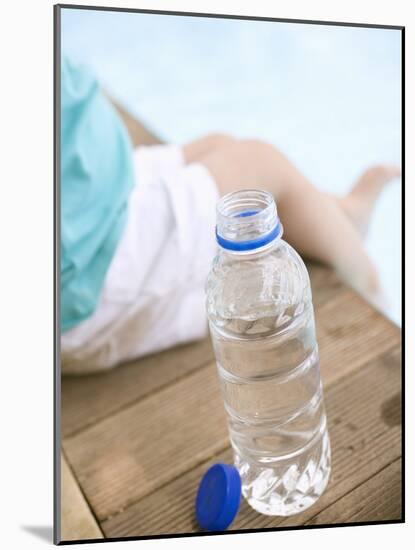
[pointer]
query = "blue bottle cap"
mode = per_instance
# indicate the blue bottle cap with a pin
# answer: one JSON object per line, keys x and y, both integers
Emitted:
{"x": 218, "y": 497}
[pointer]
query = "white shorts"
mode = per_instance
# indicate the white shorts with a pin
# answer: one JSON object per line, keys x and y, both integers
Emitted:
{"x": 153, "y": 296}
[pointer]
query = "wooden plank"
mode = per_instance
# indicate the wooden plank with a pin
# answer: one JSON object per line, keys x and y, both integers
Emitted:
{"x": 130, "y": 454}
{"x": 88, "y": 399}
{"x": 350, "y": 333}
{"x": 114, "y": 459}
{"x": 325, "y": 283}
{"x": 77, "y": 521}
{"x": 363, "y": 441}
{"x": 170, "y": 509}
{"x": 377, "y": 499}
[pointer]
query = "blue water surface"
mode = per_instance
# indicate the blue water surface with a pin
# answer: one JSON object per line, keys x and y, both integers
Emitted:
{"x": 329, "y": 97}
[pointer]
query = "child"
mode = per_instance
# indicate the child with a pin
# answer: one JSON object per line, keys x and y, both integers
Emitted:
{"x": 138, "y": 227}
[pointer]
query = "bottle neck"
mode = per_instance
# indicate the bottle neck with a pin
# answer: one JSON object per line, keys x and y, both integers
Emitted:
{"x": 248, "y": 223}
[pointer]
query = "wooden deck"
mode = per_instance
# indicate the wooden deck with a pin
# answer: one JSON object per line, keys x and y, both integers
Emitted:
{"x": 133, "y": 451}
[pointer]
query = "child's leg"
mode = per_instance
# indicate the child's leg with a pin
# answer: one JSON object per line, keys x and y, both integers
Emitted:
{"x": 359, "y": 203}
{"x": 314, "y": 222}
{"x": 199, "y": 148}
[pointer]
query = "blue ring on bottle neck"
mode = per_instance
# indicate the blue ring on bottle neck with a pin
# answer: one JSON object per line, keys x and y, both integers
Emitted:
{"x": 242, "y": 246}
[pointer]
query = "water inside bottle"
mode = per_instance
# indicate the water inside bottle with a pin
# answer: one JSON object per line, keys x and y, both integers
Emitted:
{"x": 262, "y": 327}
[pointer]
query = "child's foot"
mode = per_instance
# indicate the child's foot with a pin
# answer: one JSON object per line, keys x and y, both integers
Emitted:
{"x": 358, "y": 204}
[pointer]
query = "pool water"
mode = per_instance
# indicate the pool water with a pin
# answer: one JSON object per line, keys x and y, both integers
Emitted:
{"x": 329, "y": 97}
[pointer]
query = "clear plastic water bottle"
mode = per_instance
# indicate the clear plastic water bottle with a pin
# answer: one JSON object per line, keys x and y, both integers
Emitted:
{"x": 262, "y": 325}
